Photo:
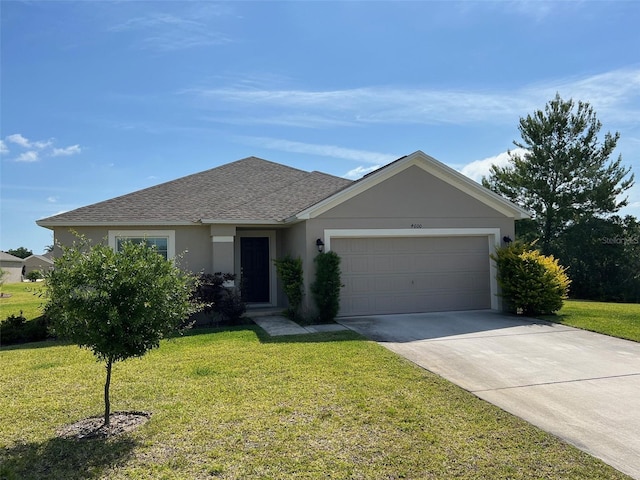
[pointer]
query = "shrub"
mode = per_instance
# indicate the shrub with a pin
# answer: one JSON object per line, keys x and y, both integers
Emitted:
{"x": 326, "y": 288}
{"x": 290, "y": 274}
{"x": 231, "y": 307}
{"x": 34, "y": 275}
{"x": 215, "y": 298}
{"x": 532, "y": 283}
{"x": 16, "y": 329}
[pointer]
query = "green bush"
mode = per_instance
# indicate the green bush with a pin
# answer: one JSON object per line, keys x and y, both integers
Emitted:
{"x": 290, "y": 274}
{"x": 326, "y": 288}
{"x": 16, "y": 329}
{"x": 532, "y": 283}
{"x": 34, "y": 275}
{"x": 219, "y": 303}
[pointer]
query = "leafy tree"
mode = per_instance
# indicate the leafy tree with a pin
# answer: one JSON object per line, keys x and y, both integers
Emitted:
{"x": 20, "y": 252}
{"x": 565, "y": 174}
{"x": 603, "y": 258}
{"x": 117, "y": 304}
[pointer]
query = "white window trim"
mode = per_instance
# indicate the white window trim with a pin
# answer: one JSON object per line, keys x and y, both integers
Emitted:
{"x": 492, "y": 234}
{"x": 170, "y": 235}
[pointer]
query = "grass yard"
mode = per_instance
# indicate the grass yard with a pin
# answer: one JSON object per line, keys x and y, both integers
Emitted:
{"x": 22, "y": 298}
{"x": 235, "y": 404}
{"x": 615, "y": 319}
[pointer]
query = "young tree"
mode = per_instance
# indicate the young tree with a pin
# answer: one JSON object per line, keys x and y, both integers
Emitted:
{"x": 566, "y": 174}
{"x": 117, "y": 304}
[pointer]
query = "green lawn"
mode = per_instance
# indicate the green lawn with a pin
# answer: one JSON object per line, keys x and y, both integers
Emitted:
{"x": 21, "y": 298}
{"x": 234, "y": 404}
{"x": 615, "y": 319}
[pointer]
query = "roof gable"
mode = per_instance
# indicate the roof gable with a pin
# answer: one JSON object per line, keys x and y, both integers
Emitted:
{"x": 7, "y": 257}
{"x": 38, "y": 259}
{"x": 430, "y": 165}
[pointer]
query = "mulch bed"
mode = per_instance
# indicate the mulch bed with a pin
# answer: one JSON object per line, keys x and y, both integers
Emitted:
{"x": 93, "y": 427}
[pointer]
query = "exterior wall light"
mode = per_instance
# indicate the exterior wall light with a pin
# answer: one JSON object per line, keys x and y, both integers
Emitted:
{"x": 507, "y": 239}
{"x": 320, "y": 245}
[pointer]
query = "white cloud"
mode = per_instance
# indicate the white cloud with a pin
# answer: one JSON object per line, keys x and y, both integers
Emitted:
{"x": 480, "y": 168}
{"x": 360, "y": 171}
{"x": 321, "y": 150}
{"x": 169, "y": 32}
{"x": 24, "y": 142}
{"x": 28, "y": 157}
{"x": 71, "y": 150}
{"x": 52, "y": 199}
{"x": 37, "y": 149}
{"x": 615, "y": 92}
{"x": 40, "y": 144}
{"x": 18, "y": 139}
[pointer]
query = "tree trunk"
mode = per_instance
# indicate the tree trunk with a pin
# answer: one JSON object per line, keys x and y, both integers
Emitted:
{"x": 107, "y": 404}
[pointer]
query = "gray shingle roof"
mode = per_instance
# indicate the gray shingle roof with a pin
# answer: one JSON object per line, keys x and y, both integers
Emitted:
{"x": 7, "y": 257}
{"x": 248, "y": 189}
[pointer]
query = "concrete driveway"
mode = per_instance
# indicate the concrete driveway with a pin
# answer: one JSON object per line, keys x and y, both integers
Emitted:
{"x": 581, "y": 386}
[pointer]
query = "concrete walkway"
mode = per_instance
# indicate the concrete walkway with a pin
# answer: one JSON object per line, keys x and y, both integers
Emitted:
{"x": 578, "y": 385}
{"x": 276, "y": 326}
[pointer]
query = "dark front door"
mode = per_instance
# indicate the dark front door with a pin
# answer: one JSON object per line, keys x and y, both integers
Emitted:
{"x": 254, "y": 262}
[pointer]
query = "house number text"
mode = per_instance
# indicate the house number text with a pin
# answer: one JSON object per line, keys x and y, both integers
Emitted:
{"x": 416, "y": 225}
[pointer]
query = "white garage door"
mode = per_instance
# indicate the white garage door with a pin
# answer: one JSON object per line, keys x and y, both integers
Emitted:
{"x": 413, "y": 274}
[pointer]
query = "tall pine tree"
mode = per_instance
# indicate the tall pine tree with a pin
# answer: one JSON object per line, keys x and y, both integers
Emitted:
{"x": 566, "y": 174}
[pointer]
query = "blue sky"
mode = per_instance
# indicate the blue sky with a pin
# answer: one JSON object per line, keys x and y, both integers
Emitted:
{"x": 102, "y": 98}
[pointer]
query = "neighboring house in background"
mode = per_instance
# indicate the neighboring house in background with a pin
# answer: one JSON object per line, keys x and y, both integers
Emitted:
{"x": 13, "y": 266}
{"x": 413, "y": 236}
{"x": 40, "y": 263}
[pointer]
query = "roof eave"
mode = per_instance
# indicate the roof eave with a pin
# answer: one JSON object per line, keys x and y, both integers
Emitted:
{"x": 239, "y": 221}
{"x": 127, "y": 223}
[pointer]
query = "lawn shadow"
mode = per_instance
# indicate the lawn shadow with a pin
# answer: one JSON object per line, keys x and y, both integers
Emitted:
{"x": 59, "y": 458}
{"x": 321, "y": 337}
{"x": 51, "y": 342}
{"x": 411, "y": 327}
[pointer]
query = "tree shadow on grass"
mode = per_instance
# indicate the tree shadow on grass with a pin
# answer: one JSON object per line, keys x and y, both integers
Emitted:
{"x": 59, "y": 458}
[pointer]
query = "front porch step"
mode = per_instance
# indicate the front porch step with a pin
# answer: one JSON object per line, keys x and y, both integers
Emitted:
{"x": 257, "y": 312}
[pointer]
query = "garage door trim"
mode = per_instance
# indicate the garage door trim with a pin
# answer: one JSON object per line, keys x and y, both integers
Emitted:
{"x": 493, "y": 235}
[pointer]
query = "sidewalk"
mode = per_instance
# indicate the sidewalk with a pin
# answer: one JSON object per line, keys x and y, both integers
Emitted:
{"x": 277, "y": 326}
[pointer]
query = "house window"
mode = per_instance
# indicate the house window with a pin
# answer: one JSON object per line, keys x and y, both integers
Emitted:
{"x": 160, "y": 243}
{"x": 163, "y": 241}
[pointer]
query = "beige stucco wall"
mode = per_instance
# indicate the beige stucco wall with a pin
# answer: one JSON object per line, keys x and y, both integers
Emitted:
{"x": 414, "y": 194}
{"x": 13, "y": 271}
{"x": 192, "y": 243}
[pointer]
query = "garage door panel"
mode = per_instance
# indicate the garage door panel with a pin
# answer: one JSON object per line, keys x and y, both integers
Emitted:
{"x": 413, "y": 274}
